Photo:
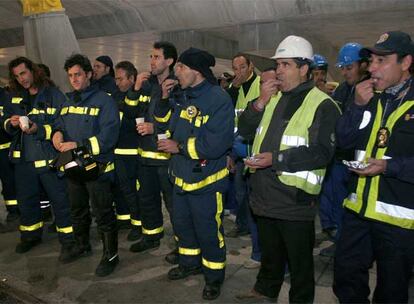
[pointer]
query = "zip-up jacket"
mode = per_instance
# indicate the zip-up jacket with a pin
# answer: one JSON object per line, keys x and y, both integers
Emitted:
{"x": 91, "y": 119}
{"x": 5, "y": 139}
{"x": 270, "y": 197}
{"x": 128, "y": 135}
{"x": 43, "y": 109}
{"x": 387, "y": 197}
{"x": 148, "y": 99}
{"x": 202, "y": 124}
{"x": 107, "y": 84}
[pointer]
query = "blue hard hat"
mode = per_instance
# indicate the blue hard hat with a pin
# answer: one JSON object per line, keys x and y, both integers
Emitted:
{"x": 348, "y": 54}
{"x": 319, "y": 61}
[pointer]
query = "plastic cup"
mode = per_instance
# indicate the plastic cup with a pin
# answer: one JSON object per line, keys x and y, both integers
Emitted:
{"x": 139, "y": 120}
{"x": 24, "y": 122}
{"x": 162, "y": 136}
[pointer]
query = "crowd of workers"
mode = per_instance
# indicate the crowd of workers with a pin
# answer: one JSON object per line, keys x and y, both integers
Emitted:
{"x": 285, "y": 145}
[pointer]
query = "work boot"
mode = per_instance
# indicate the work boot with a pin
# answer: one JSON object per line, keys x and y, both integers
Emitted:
{"x": 25, "y": 246}
{"x": 135, "y": 234}
{"x": 211, "y": 291}
{"x": 181, "y": 272}
{"x": 110, "y": 254}
{"x": 70, "y": 253}
{"x": 173, "y": 256}
{"x": 82, "y": 242}
{"x": 144, "y": 245}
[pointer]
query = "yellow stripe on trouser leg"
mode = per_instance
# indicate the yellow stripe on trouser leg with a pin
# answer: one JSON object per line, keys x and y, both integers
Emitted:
{"x": 219, "y": 199}
{"x": 213, "y": 265}
{"x": 189, "y": 251}
{"x": 152, "y": 231}
{"x": 65, "y": 229}
{"x": 123, "y": 217}
{"x": 32, "y": 227}
{"x": 136, "y": 222}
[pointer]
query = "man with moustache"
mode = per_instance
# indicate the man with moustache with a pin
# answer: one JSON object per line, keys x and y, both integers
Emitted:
{"x": 378, "y": 224}
{"x": 202, "y": 132}
{"x": 292, "y": 123}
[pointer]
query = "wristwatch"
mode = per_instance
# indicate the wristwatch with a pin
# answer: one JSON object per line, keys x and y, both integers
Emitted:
{"x": 180, "y": 147}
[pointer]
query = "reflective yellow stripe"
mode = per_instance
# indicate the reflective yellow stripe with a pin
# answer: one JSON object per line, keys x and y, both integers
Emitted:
{"x": 16, "y": 99}
{"x": 184, "y": 115}
{"x": 5, "y": 146}
{"x": 65, "y": 229}
{"x": 131, "y": 102}
{"x": 42, "y": 163}
{"x": 123, "y": 217}
{"x": 152, "y": 231}
{"x": 166, "y": 118}
{"x": 32, "y": 227}
{"x": 119, "y": 151}
{"x": 213, "y": 265}
{"x": 16, "y": 154}
{"x": 200, "y": 120}
{"x": 136, "y": 222}
{"x": 109, "y": 167}
{"x": 154, "y": 155}
{"x": 49, "y": 111}
{"x": 10, "y": 202}
{"x": 137, "y": 185}
{"x": 219, "y": 200}
{"x": 205, "y": 182}
{"x": 143, "y": 98}
{"x": 94, "y": 145}
{"x": 5, "y": 123}
{"x": 48, "y": 130}
{"x": 188, "y": 251}
{"x": 80, "y": 111}
{"x": 121, "y": 115}
{"x": 191, "y": 148}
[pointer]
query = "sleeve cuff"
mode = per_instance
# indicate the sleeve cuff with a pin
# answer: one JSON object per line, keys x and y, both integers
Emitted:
{"x": 393, "y": 168}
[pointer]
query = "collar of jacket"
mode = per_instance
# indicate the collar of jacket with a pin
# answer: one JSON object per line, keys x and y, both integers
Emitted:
{"x": 199, "y": 89}
{"x": 307, "y": 85}
{"x": 85, "y": 94}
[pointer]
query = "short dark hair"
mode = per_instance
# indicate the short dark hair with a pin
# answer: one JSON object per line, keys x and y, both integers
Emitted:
{"x": 300, "y": 62}
{"x": 78, "y": 59}
{"x": 248, "y": 61}
{"x": 39, "y": 77}
{"x": 128, "y": 67}
{"x": 168, "y": 50}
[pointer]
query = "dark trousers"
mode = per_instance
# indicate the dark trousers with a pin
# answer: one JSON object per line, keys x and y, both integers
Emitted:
{"x": 28, "y": 186}
{"x": 100, "y": 195}
{"x": 198, "y": 225}
{"x": 242, "y": 198}
{"x": 281, "y": 242}
{"x": 154, "y": 181}
{"x": 126, "y": 189}
{"x": 361, "y": 243}
{"x": 7, "y": 182}
{"x": 334, "y": 191}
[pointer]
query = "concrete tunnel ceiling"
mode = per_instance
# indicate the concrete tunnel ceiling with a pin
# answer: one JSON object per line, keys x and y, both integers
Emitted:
{"x": 126, "y": 29}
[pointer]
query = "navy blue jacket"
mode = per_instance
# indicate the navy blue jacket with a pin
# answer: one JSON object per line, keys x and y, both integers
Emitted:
{"x": 205, "y": 136}
{"x": 4, "y": 137}
{"x": 91, "y": 119}
{"x": 107, "y": 84}
{"x": 42, "y": 110}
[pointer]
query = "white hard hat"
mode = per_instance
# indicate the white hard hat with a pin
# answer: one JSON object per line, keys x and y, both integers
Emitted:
{"x": 294, "y": 47}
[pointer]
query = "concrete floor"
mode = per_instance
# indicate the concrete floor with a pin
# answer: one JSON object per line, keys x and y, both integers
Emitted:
{"x": 38, "y": 277}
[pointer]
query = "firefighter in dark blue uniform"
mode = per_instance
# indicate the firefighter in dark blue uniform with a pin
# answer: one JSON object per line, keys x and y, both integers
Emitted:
{"x": 202, "y": 133}
{"x": 126, "y": 153}
{"x": 35, "y": 97}
{"x": 103, "y": 75}
{"x": 89, "y": 120}
{"x": 153, "y": 173}
{"x": 378, "y": 222}
{"x": 7, "y": 175}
